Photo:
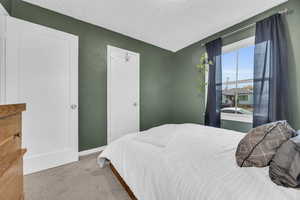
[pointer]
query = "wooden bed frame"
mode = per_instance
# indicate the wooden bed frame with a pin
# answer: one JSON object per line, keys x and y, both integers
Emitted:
{"x": 123, "y": 183}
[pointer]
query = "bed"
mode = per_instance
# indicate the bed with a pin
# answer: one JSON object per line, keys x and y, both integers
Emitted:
{"x": 188, "y": 162}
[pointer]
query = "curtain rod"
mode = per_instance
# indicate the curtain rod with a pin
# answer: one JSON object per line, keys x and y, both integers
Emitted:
{"x": 284, "y": 11}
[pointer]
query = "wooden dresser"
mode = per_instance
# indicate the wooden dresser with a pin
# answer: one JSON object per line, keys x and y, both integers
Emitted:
{"x": 11, "y": 152}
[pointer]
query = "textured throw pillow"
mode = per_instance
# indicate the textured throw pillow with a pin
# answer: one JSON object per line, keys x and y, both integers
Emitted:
{"x": 285, "y": 166}
{"x": 259, "y": 146}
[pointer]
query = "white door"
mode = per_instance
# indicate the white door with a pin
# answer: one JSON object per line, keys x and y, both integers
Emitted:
{"x": 123, "y": 97}
{"x": 3, "y": 18}
{"x": 42, "y": 71}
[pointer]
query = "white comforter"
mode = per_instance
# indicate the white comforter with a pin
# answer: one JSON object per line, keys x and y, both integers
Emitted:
{"x": 189, "y": 162}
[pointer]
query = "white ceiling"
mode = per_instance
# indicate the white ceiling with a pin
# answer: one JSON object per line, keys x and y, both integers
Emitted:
{"x": 170, "y": 24}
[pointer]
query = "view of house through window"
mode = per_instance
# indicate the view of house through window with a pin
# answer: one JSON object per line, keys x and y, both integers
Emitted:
{"x": 237, "y": 86}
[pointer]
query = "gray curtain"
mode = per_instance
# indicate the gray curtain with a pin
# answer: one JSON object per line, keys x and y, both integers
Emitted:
{"x": 270, "y": 71}
{"x": 214, "y": 93}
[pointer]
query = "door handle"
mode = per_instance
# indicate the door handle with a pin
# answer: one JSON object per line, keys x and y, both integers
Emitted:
{"x": 74, "y": 106}
{"x": 135, "y": 104}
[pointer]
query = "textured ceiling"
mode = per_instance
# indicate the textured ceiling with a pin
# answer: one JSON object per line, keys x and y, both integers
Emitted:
{"x": 169, "y": 24}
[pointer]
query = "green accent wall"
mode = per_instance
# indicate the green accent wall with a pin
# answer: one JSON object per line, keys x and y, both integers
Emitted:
{"x": 186, "y": 101}
{"x": 155, "y": 72}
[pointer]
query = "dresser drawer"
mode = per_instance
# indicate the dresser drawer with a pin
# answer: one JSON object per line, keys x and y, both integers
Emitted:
{"x": 8, "y": 161}
{"x": 9, "y": 145}
{"x": 11, "y": 183}
{"x": 14, "y": 170}
{"x": 12, "y": 190}
{"x": 10, "y": 126}
{"x": 11, "y": 152}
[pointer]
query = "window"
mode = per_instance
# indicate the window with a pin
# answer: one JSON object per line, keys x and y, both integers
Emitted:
{"x": 237, "y": 78}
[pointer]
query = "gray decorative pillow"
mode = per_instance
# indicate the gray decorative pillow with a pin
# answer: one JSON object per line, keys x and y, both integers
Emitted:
{"x": 285, "y": 166}
{"x": 259, "y": 146}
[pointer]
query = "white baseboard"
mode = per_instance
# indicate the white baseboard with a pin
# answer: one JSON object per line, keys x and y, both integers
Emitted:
{"x": 54, "y": 159}
{"x": 91, "y": 151}
{"x": 42, "y": 162}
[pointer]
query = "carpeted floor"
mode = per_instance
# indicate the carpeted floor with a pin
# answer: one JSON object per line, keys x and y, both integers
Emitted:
{"x": 83, "y": 180}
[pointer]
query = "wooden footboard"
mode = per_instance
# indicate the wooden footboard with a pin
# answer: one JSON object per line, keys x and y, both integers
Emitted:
{"x": 123, "y": 183}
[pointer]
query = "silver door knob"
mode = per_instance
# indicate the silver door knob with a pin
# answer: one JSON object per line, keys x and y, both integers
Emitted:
{"x": 73, "y": 106}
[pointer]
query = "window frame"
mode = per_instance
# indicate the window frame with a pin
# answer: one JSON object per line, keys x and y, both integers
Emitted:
{"x": 227, "y": 49}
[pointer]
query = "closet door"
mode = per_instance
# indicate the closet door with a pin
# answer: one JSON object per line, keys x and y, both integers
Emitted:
{"x": 42, "y": 71}
{"x": 123, "y": 99}
{"x": 3, "y": 18}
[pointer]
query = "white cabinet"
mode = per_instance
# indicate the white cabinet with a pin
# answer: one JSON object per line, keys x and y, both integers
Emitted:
{"x": 123, "y": 93}
{"x": 41, "y": 70}
{"x": 3, "y": 18}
